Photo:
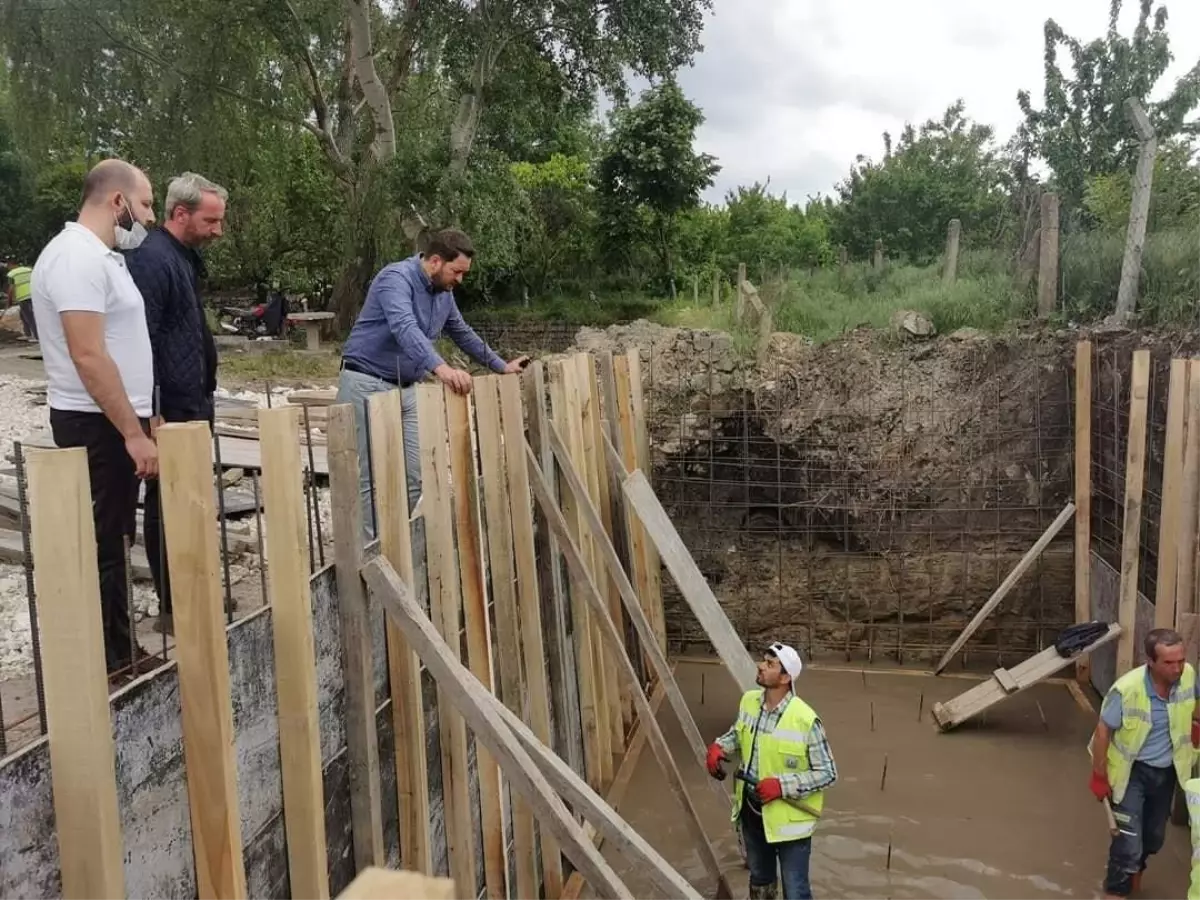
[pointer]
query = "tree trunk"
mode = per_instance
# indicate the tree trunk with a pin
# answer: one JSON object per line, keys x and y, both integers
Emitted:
{"x": 465, "y": 127}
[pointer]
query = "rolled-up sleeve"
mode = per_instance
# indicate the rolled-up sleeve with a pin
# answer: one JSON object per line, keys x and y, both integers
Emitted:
{"x": 471, "y": 343}
{"x": 395, "y": 293}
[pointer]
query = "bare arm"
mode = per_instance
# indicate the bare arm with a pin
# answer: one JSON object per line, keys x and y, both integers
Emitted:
{"x": 1100, "y": 742}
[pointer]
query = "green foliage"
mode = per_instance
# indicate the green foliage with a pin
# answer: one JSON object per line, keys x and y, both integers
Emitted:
{"x": 1175, "y": 198}
{"x": 1082, "y": 130}
{"x": 556, "y": 236}
{"x": 946, "y": 169}
{"x": 649, "y": 173}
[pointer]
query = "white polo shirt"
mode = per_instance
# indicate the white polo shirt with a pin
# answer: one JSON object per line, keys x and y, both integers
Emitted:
{"x": 76, "y": 272}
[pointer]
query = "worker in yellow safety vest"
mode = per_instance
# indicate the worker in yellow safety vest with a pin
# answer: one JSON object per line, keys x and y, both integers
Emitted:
{"x": 1144, "y": 744}
{"x": 786, "y": 767}
{"x": 20, "y": 292}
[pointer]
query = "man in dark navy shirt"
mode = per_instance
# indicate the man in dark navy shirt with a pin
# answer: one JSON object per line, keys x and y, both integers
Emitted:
{"x": 409, "y": 305}
{"x": 168, "y": 270}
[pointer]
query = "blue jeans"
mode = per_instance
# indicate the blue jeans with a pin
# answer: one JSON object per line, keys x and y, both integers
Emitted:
{"x": 1142, "y": 819}
{"x": 766, "y": 861}
{"x": 355, "y": 388}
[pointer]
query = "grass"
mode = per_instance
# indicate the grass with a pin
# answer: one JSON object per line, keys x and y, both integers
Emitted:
{"x": 825, "y": 304}
{"x": 279, "y": 365}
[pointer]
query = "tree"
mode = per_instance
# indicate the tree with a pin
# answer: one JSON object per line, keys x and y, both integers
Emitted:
{"x": 1082, "y": 131}
{"x": 649, "y": 173}
{"x": 365, "y": 81}
{"x": 947, "y": 169}
{"x": 1174, "y": 201}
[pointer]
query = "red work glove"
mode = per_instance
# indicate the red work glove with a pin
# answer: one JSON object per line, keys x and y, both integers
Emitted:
{"x": 715, "y": 756}
{"x": 1099, "y": 785}
{"x": 1195, "y": 734}
{"x": 769, "y": 789}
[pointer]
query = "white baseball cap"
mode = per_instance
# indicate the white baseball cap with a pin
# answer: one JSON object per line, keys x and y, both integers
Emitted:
{"x": 788, "y": 658}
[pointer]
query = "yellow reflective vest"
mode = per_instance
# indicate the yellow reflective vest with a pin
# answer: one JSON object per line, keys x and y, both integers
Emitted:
{"x": 782, "y": 751}
{"x": 21, "y": 278}
{"x": 1128, "y": 740}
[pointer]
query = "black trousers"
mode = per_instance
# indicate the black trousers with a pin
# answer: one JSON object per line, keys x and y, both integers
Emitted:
{"x": 114, "y": 485}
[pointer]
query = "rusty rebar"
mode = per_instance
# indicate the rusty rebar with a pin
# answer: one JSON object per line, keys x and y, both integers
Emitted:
{"x": 30, "y": 590}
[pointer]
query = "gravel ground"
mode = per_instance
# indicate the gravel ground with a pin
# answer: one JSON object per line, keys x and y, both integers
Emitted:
{"x": 22, "y": 414}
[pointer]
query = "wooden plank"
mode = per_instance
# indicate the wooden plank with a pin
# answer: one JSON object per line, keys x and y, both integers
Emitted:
{"x": 624, "y": 438}
{"x": 582, "y": 580}
{"x": 1013, "y": 577}
{"x": 386, "y": 884}
{"x": 641, "y": 433}
{"x": 483, "y": 712}
{"x": 82, "y": 753}
{"x": 1135, "y": 474}
{"x": 1083, "y": 496}
{"x": 445, "y": 600}
{"x": 593, "y": 431}
{"x": 1005, "y": 680}
{"x": 1027, "y": 674}
{"x": 404, "y": 668}
{"x": 564, "y": 412}
{"x": 633, "y": 608}
{"x": 201, "y": 653}
{"x": 504, "y": 597}
{"x": 536, "y": 687}
{"x": 609, "y": 826}
{"x": 358, "y": 667}
{"x": 475, "y": 620}
{"x": 295, "y": 654}
{"x": 1172, "y": 485}
{"x": 580, "y": 422}
{"x": 1185, "y": 584}
{"x": 564, "y": 686}
{"x": 690, "y": 581}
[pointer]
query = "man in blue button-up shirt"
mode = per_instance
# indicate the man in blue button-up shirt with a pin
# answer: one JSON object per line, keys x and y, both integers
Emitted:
{"x": 409, "y": 305}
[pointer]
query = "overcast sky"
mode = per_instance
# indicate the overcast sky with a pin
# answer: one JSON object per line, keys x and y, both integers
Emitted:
{"x": 794, "y": 89}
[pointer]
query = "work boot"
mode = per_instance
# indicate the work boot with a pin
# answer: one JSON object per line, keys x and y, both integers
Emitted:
{"x": 763, "y": 891}
{"x": 1135, "y": 882}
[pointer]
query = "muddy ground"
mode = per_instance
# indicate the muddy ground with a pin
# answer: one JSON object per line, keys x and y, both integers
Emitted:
{"x": 998, "y": 808}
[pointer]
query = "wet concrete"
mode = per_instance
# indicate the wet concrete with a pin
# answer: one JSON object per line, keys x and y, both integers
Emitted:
{"x": 997, "y": 808}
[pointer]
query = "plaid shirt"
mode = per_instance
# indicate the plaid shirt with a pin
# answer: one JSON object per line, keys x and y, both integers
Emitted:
{"x": 822, "y": 772}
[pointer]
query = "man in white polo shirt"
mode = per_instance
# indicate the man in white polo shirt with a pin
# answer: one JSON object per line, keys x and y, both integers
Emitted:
{"x": 99, "y": 368}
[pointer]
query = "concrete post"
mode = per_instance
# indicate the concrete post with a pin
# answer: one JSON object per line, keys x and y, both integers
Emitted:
{"x": 1048, "y": 259}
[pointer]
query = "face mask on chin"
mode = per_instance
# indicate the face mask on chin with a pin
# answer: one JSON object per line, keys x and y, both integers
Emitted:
{"x": 127, "y": 232}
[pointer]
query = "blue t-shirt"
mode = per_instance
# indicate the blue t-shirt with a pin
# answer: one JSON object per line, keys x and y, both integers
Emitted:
{"x": 1156, "y": 751}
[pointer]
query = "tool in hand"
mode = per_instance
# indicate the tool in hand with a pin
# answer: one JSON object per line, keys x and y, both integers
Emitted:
{"x": 756, "y": 803}
{"x": 1112, "y": 820}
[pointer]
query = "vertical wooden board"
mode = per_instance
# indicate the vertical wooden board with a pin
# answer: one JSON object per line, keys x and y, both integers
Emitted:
{"x": 537, "y": 691}
{"x": 1083, "y": 495}
{"x": 641, "y": 436}
{"x": 202, "y": 657}
{"x": 475, "y": 619}
{"x": 579, "y": 402}
{"x": 295, "y": 651}
{"x": 598, "y": 490}
{"x": 625, "y": 440}
{"x": 1135, "y": 473}
{"x": 612, "y": 508}
{"x": 1185, "y": 597}
{"x": 565, "y": 721}
{"x": 497, "y": 516}
{"x": 561, "y": 412}
{"x": 1168, "y": 521}
{"x": 82, "y": 762}
{"x": 444, "y": 602}
{"x": 404, "y": 668}
{"x": 358, "y": 665}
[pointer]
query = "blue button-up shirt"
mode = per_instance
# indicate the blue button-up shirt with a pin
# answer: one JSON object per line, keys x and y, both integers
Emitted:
{"x": 402, "y": 317}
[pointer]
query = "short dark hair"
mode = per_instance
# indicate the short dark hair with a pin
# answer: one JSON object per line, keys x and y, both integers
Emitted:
{"x": 1161, "y": 637}
{"x": 449, "y": 244}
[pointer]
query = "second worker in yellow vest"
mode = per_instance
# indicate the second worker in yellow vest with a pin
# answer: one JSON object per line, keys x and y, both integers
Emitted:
{"x": 786, "y": 767}
{"x": 1144, "y": 744}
